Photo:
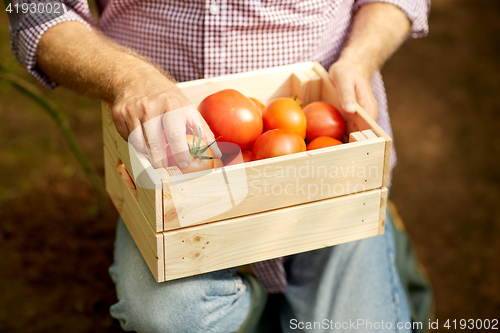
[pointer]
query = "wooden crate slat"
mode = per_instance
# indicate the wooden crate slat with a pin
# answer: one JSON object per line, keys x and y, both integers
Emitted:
{"x": 295, "y": 179}
{"x": 199, "y": 196}
{"x": 264, "y": 84}
{"x": 369, "y": 134}
{"x": 300, "y": 83}
{"x": 314, "y": 86}
{"x": 383, "y": 207}
{"x": 266, "y": 88}
{"x": 150, "y": 199}
{"x": 363, "y": 121}
{"x": 357, "y": 137}
{"x": 149, "y": 188}
{"x": 149, "y": 242}
{"x": 263, "y": 236}
{"x": 117, "y": 149}
{"x": 254, "y": 76}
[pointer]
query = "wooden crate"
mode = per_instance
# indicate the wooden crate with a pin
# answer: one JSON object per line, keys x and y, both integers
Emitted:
{"x": 177, "y": 238}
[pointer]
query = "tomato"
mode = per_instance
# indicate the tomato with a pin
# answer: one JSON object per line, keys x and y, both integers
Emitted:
{"x": 196, "y": 163}
{"x": 285, "y": 113}
{"x": 322, "y": 142}
{"x": 246, "y": 156}
{"x": 300, "y": 101}
{"x": 278, "y": 142}
{"x": 232, "y": 116}
{"x": 259, "y": 104}
{"x": 323, "y": 119}
{"x": 217, "y": 163}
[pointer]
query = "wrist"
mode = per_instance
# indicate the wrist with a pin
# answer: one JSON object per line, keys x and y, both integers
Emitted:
{"x": 365, "y": 65}
{"x": 134, "y": 78}
{"x": 133, "y": 74}
{"x": 124, "y": 74}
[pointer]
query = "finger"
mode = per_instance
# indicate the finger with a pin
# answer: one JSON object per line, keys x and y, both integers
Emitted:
{"x": 136, "y": 136}
{"x": 196, "y": 121}
{"x": 118, "y": 113}
{"x": 153, "y": 133}
{"x": 346, "y": 90}
{"x": 366, "y": 99}
{"x": 193, "y": 123}
{"x": 208, "y": 137}
{"x": 174, "y": 123}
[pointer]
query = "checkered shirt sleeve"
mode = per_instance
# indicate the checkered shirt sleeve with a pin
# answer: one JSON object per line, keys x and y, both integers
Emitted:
{"x": 416, "y": 10}
{"x": 24, "y": 41}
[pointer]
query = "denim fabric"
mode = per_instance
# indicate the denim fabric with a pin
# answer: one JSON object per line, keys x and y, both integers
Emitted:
{"x": 342, "y": 284}
{"x": 346, "y": 283}
{"x": 213, "y": 302}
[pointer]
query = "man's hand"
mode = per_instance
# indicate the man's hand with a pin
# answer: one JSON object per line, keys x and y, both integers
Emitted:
{"x": 148, "y": 105}
{"x": 353, "y": 85}
{"x": 144, "y": 100}
{"x": 377, "y": 31}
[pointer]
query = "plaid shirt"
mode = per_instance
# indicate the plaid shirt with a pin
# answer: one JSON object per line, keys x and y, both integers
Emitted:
{"x": 201, "y": 39}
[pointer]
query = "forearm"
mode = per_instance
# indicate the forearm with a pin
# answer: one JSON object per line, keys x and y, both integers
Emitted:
{"x": 142, "y": 95}
{"x": 377, "y": 32}
{"x": 82, "y": 60}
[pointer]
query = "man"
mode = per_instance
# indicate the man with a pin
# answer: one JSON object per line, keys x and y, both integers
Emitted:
{"x": 195, "y": 39}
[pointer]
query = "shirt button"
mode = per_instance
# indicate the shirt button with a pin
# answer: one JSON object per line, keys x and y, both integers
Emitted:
{"x": 214, "y": 9}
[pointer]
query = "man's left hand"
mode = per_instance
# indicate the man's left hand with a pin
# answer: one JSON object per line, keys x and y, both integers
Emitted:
{"x": 353, "y": 86}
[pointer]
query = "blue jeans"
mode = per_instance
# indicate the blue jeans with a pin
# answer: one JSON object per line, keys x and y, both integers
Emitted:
{"x": 352, "y": 287}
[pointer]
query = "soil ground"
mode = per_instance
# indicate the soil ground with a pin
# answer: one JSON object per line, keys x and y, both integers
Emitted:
{"x": 444, "y": 101}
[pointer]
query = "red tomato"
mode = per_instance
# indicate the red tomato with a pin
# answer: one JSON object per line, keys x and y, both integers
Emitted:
{"x": 230, "y": 159}
{"x": 259, "y": 104}
{"x": 322, "y": 142}
{"x": 232, "y": 116}
{"x": 278, "y": 142}
{"x": 246, "y": 156}
{"x": 196, "y": 164}
{"x": 323, "y": 119}
{"x": 285, "y": 113}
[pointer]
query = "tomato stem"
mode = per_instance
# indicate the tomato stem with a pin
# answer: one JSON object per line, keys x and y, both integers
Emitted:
{"x": 307, "y": 102}
{"x": 196, "y": 150}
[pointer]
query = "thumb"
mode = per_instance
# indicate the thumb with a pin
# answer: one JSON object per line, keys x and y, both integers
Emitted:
{"x": 346, "y": 90}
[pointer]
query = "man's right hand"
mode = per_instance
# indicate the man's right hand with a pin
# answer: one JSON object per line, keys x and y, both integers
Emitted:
{"x": 142, "y": 96}
{"x": 147, "y": 105}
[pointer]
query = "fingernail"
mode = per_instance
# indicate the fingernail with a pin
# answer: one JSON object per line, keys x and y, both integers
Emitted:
{"x": 183, "y": 165}
{"x": 350, "y": 107}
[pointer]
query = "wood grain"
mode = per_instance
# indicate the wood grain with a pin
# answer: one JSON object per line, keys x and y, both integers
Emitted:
{"x": 300, "y": 82}
{"x": 278, "y": 182}
{"x": 268, "y": 235}
{"x": 314, "y": 85}
{"x": 383, "y": 207}
{"x": 357, "y": 137}
{"x": 369, "y": 134}
{"x": 263, "y": 84}
{"x": 149, "y": 189}
{"x": 149, "y": 242}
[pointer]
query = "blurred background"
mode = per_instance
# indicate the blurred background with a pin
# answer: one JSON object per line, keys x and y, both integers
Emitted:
{"x": 444, "y": 99}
